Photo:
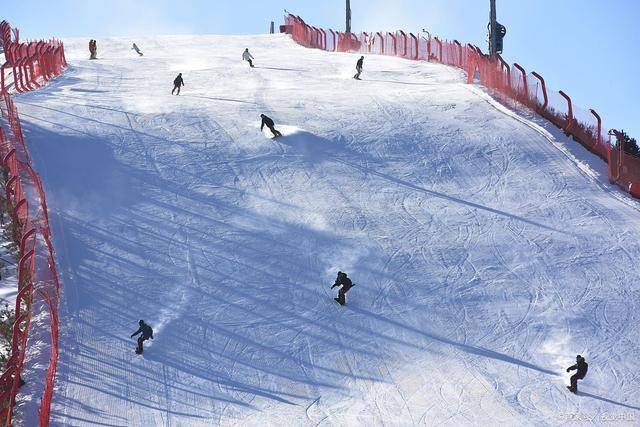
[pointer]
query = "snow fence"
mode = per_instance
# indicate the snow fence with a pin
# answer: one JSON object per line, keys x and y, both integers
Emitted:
{"x": 33, "y": 64}
{"x": 28, "y": 66}
{"x": 508, "y": 81}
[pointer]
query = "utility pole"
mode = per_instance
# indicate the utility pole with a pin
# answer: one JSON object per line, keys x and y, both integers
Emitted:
{"x": 348, "y": 16}
{"x": 493, "y": 39}
{"x": 497, "y": 31}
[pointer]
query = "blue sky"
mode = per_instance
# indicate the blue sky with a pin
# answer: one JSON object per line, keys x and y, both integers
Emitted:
{"x": 588, "y": 48}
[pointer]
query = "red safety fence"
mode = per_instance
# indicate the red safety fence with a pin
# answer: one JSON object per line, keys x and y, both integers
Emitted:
{"x": 504, "y": 80}
{"x": 31, "y": 64}
{"x": 38, "y": 285}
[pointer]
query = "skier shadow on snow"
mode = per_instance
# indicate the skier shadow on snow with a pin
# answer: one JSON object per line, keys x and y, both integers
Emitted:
{"x": 210, "y": 98}
{"x": 281, "y": 69}
{"x": 604, "y": 399}
{"x": 311, "y": 147}
{"x": 317, "y": 149}
{"x": 456, "y": 200}
{"x": 75, "y": 89}
{"x": 400, "y": 83}
{"x": 480, "y": 351}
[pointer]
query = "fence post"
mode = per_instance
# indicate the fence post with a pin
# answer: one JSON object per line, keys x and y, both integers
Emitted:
{"x": 8, "y": 188}
{"x": 473, "y": 63}
{"x": 33, "y": 75}
{"x": 312, "y": 36}
{"x": 524, "y": 79}
{"x": 381, "y": 43}
{"x": 17, "y": 83}
{"x": 439, "y": 43}
{"x": 395, "y": 44}
{"x": 24, "y": 260}
{"x": 23, "y": 241}
{"x": 417, "y": 43}
{"x": 333, "y": 36}
{"x": 570, "y": 119}
{"x": 19, "y": 205}
{"x": 614, "y": 175}
{"x": 404, "y": 36}
{"x": 324, "y": 39}
{"x": 428, "y": 40}
{"x": 367, "y": 40}
{"x": 609, "y": 162}
{"x": 505, "y": 65}
{"x": 457, "y": 43}
{"x": 544, "y": 90}
{"x": 599, "y": 137}
{"x": 2, "y": 85}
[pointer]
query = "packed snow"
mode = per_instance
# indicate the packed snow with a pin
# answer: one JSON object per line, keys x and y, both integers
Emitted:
{"x": 487, "y": 249}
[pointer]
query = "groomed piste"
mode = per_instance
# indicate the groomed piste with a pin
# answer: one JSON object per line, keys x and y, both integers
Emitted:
{"x": 487, "y": 248}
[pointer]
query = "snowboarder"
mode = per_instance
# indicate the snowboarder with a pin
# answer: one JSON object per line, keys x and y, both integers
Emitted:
{"x": 147, "y": 333}
{"x": 137, "y": 49}
{"x": 246, "y": 56}
{"x": 266, "y": 121}
{"x": 359, "y": 68}
{"x": 346, "y": 283}
{"x": 177, "y": 82}
{"x": 581, "y": 366}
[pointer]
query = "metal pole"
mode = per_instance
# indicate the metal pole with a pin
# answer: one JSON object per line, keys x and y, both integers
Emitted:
{"x": 272, "y": 28}
{"x": 493, "y": 28}
{"x": 348, "y": 16}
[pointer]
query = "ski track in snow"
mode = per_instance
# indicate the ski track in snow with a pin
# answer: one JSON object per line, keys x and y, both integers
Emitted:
{"x": 486, "y": 250}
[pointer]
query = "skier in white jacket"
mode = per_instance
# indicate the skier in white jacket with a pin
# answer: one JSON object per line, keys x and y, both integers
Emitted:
{"x": 246, "y": 56}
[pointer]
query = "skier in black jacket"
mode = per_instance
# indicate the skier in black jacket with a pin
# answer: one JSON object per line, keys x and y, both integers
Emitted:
{"x": 345, "y": 282}
{"x": 177, "y": 82}
{"x": 581, "y": 366}
{"x": 359, "y": 68}
{"x": 146, "y": 332}
{"x": 266, "y": 121}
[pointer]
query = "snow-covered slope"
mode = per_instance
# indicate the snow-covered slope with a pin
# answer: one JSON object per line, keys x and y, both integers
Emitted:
{"x": 485, "y": 257}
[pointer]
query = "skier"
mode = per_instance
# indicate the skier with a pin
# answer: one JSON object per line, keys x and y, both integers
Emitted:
{"x": 137, "y": 49}
{"x": 581, "y": 366}
{"x": 359, "y": 68}
{"x": 346, "y": 283}
{"x": 177, "y": 82}
{"x": 94, "y": 49}
{"x": 147, "y": 333}
{"x": 266, "y": 121}
{"x": 246, "y": 56}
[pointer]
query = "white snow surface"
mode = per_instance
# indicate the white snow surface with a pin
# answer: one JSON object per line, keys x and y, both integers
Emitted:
{"x": 486, "y": 250}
